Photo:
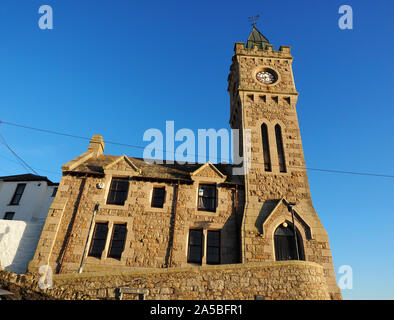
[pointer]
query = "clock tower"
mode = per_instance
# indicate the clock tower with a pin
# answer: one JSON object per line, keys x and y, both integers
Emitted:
{"x": 279, "y": 220}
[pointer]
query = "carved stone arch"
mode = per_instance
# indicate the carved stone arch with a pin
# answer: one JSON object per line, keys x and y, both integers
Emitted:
{"x": 276, "y": 217}
{"x": 281, "y": 213}
{"x": 286, "y": 245}
{"x": 265, "y": 144}
{"x": 272, "y": 141}
{"x": 278, "y": 121}
{"x": 260, "y": 121}
{"x": 280, "y": 220}
{"x": 282, "y": 126}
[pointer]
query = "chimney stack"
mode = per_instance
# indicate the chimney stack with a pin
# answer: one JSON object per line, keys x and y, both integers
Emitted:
{"x": 96, "y": 145}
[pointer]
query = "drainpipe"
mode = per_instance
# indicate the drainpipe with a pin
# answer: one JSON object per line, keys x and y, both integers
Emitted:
{"x": 96, "y": 207}
{"x": 291, "y": 204}
{"x": 238, "y": 223}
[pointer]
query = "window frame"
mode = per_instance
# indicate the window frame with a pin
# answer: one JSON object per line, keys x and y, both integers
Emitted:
{"x": 189, "y": 245}
{"x": 266, "y": 147}
{"x": 280, "y": 149}
{"x": 54, "y": 192}
{"x": 7, "y": 213}
{"x": 219, "y": 246}
{"x": 17, "y": 194}
{"x": 92, "y": 241}
{"x": 290, "y": 246}
{"x": 160, "y": 204}
{"x": 112, "y": 241}
{"x": 112, "y": 192}
{"x": 214, "y": 197}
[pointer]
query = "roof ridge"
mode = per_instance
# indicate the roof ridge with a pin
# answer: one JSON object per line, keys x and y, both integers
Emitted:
{"x": 26, "y": 177}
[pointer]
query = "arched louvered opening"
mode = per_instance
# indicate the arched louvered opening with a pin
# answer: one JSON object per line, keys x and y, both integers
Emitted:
{"x": 266, "y": 147}
{"x": 279, "y": 145}
{"x": 286, "y": 246}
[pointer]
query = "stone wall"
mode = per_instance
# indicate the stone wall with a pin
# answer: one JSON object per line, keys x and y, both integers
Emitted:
{"x": 255, "y": 103}
{"x": 156, "y": 237}
{"x": 277, "y": 280}
{"x": 25, "y": 287}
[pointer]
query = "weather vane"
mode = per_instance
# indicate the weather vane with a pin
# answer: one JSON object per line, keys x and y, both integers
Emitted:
{"x": 254, "y": 19}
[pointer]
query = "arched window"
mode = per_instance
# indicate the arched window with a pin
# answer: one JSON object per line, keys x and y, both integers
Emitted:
{"x": 279, "y": 145}
{"x": 266, "y": 147}
{"x": 285, "y": 244}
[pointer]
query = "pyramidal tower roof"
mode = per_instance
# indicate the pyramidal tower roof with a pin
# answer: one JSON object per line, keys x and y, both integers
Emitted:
{"x": 256, "y": 38}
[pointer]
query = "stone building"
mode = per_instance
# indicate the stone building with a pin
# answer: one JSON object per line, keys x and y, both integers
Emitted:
{"x": 120, "y": 213}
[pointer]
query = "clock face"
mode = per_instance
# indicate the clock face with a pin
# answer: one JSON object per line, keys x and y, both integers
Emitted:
{"x": 266, "y": 76}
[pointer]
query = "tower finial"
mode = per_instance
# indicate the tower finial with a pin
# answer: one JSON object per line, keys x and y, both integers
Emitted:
{"x": 254, "y": 20}
{"x": 255, "y": 37}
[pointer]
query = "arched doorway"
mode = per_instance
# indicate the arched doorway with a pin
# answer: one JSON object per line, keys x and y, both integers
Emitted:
{"x": 285, "y": 245}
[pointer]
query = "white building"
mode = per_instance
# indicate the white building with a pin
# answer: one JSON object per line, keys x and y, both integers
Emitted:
{"x": 24, "y": 203}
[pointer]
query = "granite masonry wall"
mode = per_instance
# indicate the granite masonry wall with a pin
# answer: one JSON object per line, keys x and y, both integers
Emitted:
{"x": 272, "y": 281}
{"x": 156, "y": 237}
{"x": 252, "y": 104}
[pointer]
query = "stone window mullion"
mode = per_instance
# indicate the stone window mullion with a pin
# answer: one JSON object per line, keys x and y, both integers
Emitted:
{"x": 108, "y": 240}
{"x": 204, "y": 246}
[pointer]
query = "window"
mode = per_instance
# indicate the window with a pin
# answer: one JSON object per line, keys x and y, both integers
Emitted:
{"x": 195, "y": 246}
{"x": 285, "y": 244}
{"x": 117, "y": 241}
{"x": 279, "y": 145}
{"x": 9, "y": 215}
{"x": 18, "y": 194}
{"x": 158, "y": 196}
{"x": 54, "y": 192}
{"x": 98, "y": 240}
{"x": 207, "y": 197}
{"x": 266, "y": 147}
{"x": 118, "y": 191}
{"x": 213, "y": 247}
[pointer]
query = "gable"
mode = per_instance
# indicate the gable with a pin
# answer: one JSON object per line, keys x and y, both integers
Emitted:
{"x": 208, "y": 170}
{"x": 280, "y": 211}
{"x": 122, "y": 164}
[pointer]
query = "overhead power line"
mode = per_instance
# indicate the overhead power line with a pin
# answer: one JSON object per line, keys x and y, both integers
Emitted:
{"x": 141, "y": 147}
{"x": 21, "y": 161}
{"x": 352, "y": 172}
{"x": 39, "y": 169}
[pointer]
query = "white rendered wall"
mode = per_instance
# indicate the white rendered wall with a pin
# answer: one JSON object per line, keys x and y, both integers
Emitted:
{"x": 34, "y": 204}
{"x": 19, "y": 236}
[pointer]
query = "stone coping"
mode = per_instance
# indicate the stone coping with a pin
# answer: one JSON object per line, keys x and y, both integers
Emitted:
{"x": 142, "y": 271}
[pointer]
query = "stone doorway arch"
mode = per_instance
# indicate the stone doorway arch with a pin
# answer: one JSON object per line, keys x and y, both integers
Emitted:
{"x": 285, "y": 245}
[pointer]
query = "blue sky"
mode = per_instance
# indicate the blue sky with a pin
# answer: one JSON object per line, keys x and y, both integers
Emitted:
{"x": 118, "y": 68}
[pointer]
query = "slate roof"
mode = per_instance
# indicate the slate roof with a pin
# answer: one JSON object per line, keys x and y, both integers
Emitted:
{"x": 256, "y": 37}
{"x": 27, "y": 177}
{"x": 170, "y": 171}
